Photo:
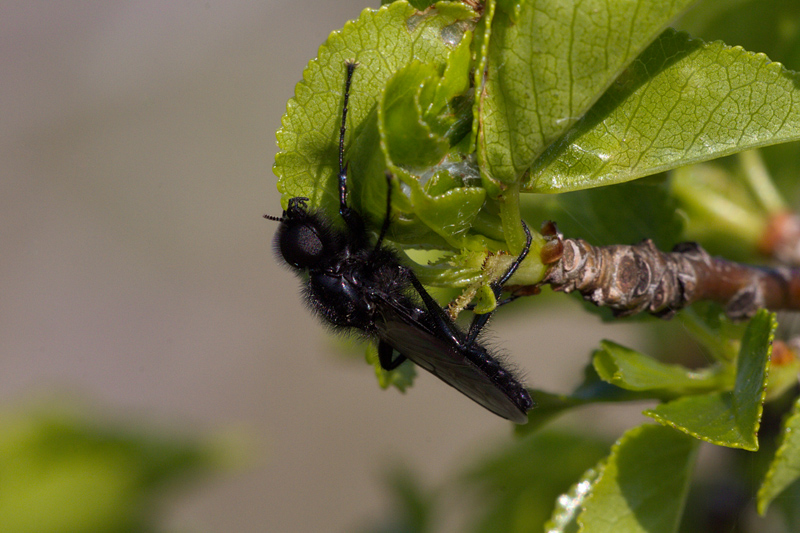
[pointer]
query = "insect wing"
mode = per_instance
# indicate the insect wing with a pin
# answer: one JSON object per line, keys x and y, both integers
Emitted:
{"x": 449, "y": 364}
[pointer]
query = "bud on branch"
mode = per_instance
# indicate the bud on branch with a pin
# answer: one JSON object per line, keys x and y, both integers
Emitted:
{"x": 632, "y": 279}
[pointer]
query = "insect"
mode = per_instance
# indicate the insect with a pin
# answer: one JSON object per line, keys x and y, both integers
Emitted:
{"x": 354, "y": 284}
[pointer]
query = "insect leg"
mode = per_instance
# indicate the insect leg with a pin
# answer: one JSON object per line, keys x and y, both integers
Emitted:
{"x": 497, "y": 287}
{"x": 499, "y": 303}
{"x": 441, "y": 319}
{"x": 518, "y": 292}
{"x": 385, "y": 352}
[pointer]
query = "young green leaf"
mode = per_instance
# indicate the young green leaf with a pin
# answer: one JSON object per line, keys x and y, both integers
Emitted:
{"x": 418, "y": 124}
{"x": 785, "y": 467}
{"x": 708, "y": 325}
{"x": 682, "y": 101}
{"x": 631, "y": 370}
{"x": 643, "y": 484}
{"x": 730, "y": 418}
{"x": 411, "y": 141}
{"x": 570, "y": 504}
{"x": 382, "y": 42}
{"x": 548, "y": 62}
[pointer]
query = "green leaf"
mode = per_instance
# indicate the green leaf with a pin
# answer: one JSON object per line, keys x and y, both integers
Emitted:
{"x": 420, "y": 114}
{"x": 453, "y": 83}
{"x": 682, "y": 101}
{"x": 548, "y": 62}
{"x": 730, "y": 418}
{"x": 382, "y": 42}
{"x": 517, "y": 485}
{"x": 400, "y": 378}
{"x": 785, "y": 467}
{"x": 570, "y": 504}
{"x": 410, "y": 141}
{"x": 451, "y": 213}
{"x": 547, "y": 406}
{"x": 789, "y": 505}
{"x": 631, "y": 370}
{"x": 63, "y": 471}
{"x": 710, "y": 326}
{"x": 643, "y": 484}
{"x": 591, "y": 390}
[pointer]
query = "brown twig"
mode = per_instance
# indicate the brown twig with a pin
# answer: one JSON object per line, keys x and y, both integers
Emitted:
{"x": 632, "y": 279}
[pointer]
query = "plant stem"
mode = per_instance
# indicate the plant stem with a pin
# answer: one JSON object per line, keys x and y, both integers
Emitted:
{"x": 637, "y": 278}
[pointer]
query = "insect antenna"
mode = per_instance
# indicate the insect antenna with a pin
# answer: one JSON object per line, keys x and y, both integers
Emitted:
{"x": 345, "y": 211}
{"x": 276, "y": 219}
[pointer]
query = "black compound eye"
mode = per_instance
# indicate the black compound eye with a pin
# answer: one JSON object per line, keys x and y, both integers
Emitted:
{"x": 301, "y": 245}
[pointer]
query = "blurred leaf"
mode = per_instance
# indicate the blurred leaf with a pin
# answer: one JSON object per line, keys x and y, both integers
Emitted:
{"x": 421, "y": 4}
{"x": 682, "y": 101}
{"x": 570, "y": 504}
{"x": 520, "y": 483}
{"x": 400, "y": 378}
{"x": 547, "y": 406}
{"x": 64, "y": 473}
{"x": 788, "y": 502}
{"x": 785, "y": 467}
{"x": 595, "y": 215}
{"x": 631, "y": 370}
{"x": 592, "y": 390}
{"x": 721, "y": 212}
{"x": 413, "y": 505}
{"x": 548, "y": 62}
{"x": 729, "y": 418}
{"x": 643, "y": 484}
{"x": 769, "y": 26}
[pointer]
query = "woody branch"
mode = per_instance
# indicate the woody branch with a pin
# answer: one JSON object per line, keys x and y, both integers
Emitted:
{"x": 637, "y": 278}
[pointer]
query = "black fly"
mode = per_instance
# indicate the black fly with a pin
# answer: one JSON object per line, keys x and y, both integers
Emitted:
{"x": 356, "y": 285}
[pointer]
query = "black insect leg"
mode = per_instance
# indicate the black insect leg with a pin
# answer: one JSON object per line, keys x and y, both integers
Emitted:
{"x": 527, "y": 290}
{"x": 385, "y": 352}
{"x": 441, "y": 319}
{"x": 497, "y": 287}
{"x": 498, "y": 303}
